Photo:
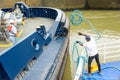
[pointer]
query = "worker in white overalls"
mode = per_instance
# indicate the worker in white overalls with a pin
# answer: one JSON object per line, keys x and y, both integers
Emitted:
{"x": 12, "y": 31}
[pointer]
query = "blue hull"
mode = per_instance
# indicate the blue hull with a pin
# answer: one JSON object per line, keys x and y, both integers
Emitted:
{"x": 48, "y": 49}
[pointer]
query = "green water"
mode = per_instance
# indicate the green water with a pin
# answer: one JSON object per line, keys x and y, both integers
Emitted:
{"x": 107, "y": 22}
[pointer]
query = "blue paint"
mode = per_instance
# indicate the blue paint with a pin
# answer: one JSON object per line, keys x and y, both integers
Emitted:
{"x": 15, "y": 59}
{"x": 110, "y": 71}
{"x": 45, "y": 64}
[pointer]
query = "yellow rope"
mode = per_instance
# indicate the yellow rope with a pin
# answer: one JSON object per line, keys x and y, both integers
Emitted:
{"x": 6, "y": 45}
{"x": 21, "y": 31}
{"x": 23, "y": 22}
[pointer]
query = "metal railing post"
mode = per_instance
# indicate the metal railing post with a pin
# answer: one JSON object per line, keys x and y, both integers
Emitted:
{"x": 104, "y": 53}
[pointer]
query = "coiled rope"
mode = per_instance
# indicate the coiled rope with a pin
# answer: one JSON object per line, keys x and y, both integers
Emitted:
{"x": 76, "y": 19}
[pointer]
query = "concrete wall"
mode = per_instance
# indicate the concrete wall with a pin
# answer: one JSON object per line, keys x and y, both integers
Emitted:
{"x": 63, "y": 4}
{"x": 104, "y": 4}
{"x": 66, "y": 4}
{"x": 49, "y": 3}
{"x": 10, "y": 3}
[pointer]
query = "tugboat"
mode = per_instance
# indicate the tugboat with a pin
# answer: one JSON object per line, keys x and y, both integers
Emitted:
{"x": 41, "y": 50}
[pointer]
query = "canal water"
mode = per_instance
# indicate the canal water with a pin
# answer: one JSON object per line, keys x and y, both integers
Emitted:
{"x": 107, "y": 22}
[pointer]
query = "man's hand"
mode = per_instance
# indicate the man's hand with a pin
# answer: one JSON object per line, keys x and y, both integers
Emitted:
{"x": 77, "y": 41}
{"x": 80, "y": 33}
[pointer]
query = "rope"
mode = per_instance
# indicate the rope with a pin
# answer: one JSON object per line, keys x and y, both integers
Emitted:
{"x": 111, "y": 67}
{"x": 78, "y": 55}
{"x": 84, "y": 77}
{"x": 93, "y": 28}
{"x": 98, "y": 78}
{"x": 73, "y": 51}
{"x": 76, "y": 19}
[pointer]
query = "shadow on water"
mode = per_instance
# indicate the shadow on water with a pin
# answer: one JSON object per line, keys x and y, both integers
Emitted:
{"x": 67, "y": 72}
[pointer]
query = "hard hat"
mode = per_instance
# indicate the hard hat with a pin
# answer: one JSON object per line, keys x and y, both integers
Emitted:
{"x": 12, "y": 21}
{"x": 87, "y": 38}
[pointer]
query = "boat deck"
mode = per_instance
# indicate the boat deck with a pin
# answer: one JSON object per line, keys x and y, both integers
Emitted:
{"x": 45, "y": 62}
{"x": 29, "y": 27}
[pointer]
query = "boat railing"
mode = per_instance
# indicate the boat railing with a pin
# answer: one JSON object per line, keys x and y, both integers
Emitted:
{"x": 109, "y": 50}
